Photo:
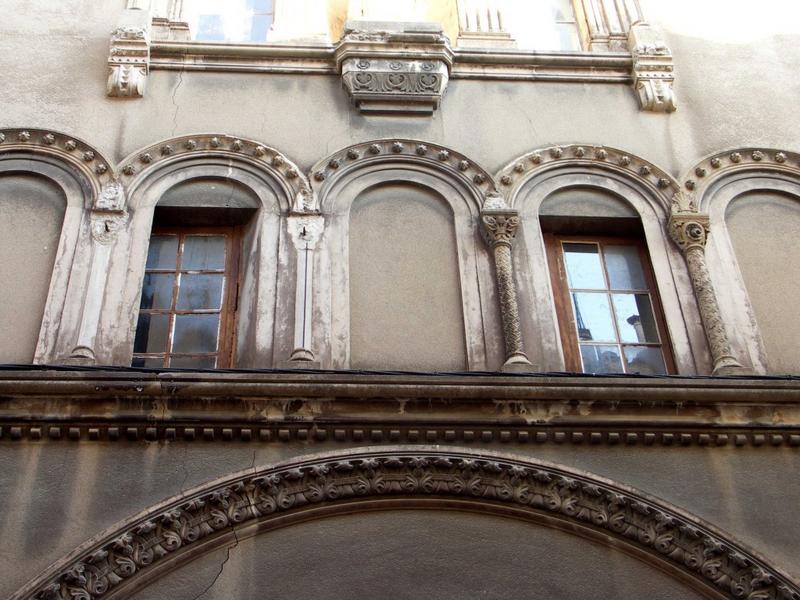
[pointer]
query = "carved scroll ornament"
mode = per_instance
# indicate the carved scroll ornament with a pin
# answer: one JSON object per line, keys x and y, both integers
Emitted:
{"x": 133, "y": 552}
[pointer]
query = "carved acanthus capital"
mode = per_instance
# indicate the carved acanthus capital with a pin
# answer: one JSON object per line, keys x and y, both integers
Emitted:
{"x": 398, "y": 71}
{"x": 305, "y": 230}
{"x": 128, "y": 62}
{"x": 105, "y": 225}
{"x": 689, "y": 230}
{"x": 500, "y": 227}
{"x": 653, "y": 71}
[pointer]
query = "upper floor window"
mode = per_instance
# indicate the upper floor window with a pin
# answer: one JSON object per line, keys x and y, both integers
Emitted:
{"x": 609, "y": 315}
{"x": 186, "y": 314}
{"x": 229, "y": 21}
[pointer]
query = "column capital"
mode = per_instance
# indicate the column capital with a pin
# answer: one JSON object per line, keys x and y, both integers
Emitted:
{"x": 305, "y": 230}
{"x": 500, "y": 226}
{"x": 689, "y": 229}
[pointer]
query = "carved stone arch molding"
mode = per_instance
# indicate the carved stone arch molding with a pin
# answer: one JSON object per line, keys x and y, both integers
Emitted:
{"x": 528, "y": 180}
{"x": 281, "y": 190}
{"x": 128, "y": 556}
{"x": 460, "y": 182}
{"x": 708, "y": 189}
{"x": 94, "y": 208}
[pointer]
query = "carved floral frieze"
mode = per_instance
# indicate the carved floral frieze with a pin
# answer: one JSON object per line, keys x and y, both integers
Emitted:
{"x": 131, "y": 553}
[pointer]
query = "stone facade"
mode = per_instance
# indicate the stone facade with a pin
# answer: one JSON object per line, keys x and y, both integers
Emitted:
{"x": 396, "y": 187}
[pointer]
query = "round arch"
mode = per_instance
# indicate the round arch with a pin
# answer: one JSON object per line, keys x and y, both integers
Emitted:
{"x": 712, "y": 185}
{"x": 462, "y": 184}
{"x": 649, "y": 190}
{"x": 165, "y": 536}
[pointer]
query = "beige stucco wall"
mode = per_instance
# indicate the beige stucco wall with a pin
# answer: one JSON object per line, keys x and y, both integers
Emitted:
{"x": 764, "y": 229}
{"x": 31, "y": 213}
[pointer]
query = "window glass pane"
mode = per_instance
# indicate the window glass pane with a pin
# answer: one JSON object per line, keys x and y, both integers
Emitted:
{"x": 196, "y": 333}
{"x": 157, "y": 290}
{"x": 635, "y": 318}
{"x": 600, "y": 359}
{"x": 210, "y": 29}
{"x": 200, "y": 291}
{"x": 147, "y": 362}
{"x": 163, "y": 252}
{"x": 259, "y": 27}
{"x": 624, "y": 268}
{"x": 583, "y": 266}
{"x": 193, "y": 362}
{"x": 561, "y": 10}
{"x": 593, "y": 317}
{"x": 152, "y": 333}
{"x": 644, "y": 360}
{"x": 203, "y": 252}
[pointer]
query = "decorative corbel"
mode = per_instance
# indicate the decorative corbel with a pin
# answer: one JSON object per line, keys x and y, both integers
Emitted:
{"x": 128, "y": 62}
{"x": 689, "y": 230}
{"x": 653, "y": 74}
{"x": 305, "y": 231}
{"x": 500, "y": 225}
{"x": 106, "y": 219}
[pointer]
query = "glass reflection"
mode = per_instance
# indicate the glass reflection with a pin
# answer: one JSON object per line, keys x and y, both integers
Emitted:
{"x": 584, "y": 270}
{"x": 624, "y": 268}
{"x": 157, "y": 290}
{"x": 193, "y": 362}
{"x": 163, "y": 252}
{"x": 152, "y": 333}
{"x": 601, "y": 359}
{"x": 593, "y": 317}
{"x": 200, "y": 292}
{"x": 196, "y": 333}
{"x": 203, "y": 252}
{"x": 644, "y": 360}
{"x": 635, "y": 318}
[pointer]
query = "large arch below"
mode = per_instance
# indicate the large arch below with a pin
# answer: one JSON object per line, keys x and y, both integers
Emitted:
{"x": 126, "y": 558}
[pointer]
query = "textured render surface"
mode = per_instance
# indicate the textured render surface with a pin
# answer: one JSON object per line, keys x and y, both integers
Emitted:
{"x": 31, "y": 213}
{"x": 743, "y": 491}
{"x": 412, "y": 554}
{"x": 763, "y": 260}
{"x": 403, "y": 279}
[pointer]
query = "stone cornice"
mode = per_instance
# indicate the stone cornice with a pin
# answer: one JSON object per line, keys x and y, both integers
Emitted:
{"x": 138, "y": 550}
{"x": 97, "y": 405}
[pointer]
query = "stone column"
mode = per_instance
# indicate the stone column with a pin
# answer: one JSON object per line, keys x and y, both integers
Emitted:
{"x": 106, "y": 219}
{"x": 689, "y": 230}
{"x": 481, "y": 24}
{"x": 305, "y": 231}
{"x": 500, "y": 227}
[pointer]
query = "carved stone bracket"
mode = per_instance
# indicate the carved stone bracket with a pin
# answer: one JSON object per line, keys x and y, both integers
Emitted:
{"x": 689, "y": 230}
{"x": 653, "y": 75}
{"x": 138, "y": 550}
{"x": 128, "y": 62}
{"x": 394, "y": 70}
{"x": 500, "y": 227}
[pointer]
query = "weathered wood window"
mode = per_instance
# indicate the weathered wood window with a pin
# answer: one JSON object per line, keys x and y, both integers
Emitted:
{"x": 609, "y": 314}
{"x": 187, "y": 309}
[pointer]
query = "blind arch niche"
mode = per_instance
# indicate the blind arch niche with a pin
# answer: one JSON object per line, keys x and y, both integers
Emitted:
{"x": 405, "y": 294}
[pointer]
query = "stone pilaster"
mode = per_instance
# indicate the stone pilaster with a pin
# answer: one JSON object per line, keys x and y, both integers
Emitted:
{"x": 500, "y": 227}
{"x": 689, "y": 230}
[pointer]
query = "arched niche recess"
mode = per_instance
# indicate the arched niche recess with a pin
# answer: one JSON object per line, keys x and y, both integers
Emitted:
{"x": 608, "y": 184}
{"x": 436, "y": 179}
{"x": 212, "y": 175}
{"x": 316, "y": 491}
{"x": 752, "y": 197}
{"x": 405, "y": 289}
{"x": 48, "y": 183}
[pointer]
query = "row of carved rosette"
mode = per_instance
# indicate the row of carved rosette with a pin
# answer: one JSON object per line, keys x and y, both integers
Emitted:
{"x": 402, "y": 72}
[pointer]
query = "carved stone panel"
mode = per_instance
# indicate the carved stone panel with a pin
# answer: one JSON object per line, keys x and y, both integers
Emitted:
{"x": 128, "y": 62}
{"x": 652, "y": 69}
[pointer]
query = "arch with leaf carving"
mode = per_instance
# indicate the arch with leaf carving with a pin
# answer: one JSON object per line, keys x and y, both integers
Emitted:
{"x": 132, "y": 554}
{"x": 649, "y": 190}
{"x": 711, "y": 185}
{"x": 459, "y": 182}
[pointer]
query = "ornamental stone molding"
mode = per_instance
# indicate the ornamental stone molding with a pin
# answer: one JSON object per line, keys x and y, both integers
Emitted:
{"x": 77, "y": 154}
{"x": 653, "y": 71}
{"x": 712, "y": 168}
{"x": 662, "y": 185}
{"x": 394, "y": 67}
{"x": 137, "y": 551}
{"x": 138, "y": 165}
{"x": 128, "y": 62}
{"x": 325, "y": 173}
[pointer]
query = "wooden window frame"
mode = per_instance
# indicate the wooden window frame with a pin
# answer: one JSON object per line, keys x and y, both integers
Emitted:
{"x": 226, "y": 347}
{"x": 563, "y": 303}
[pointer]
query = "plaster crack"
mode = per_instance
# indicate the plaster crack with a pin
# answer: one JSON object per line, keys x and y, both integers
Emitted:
{"x": 221, "y": 566}
{"x": 175, "y": 103}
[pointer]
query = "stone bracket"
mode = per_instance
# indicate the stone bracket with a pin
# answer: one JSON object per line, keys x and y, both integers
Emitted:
{"x": 394, "y": 67}
{"x": 128, "y": 62}
{"x": 653, "y": 73}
